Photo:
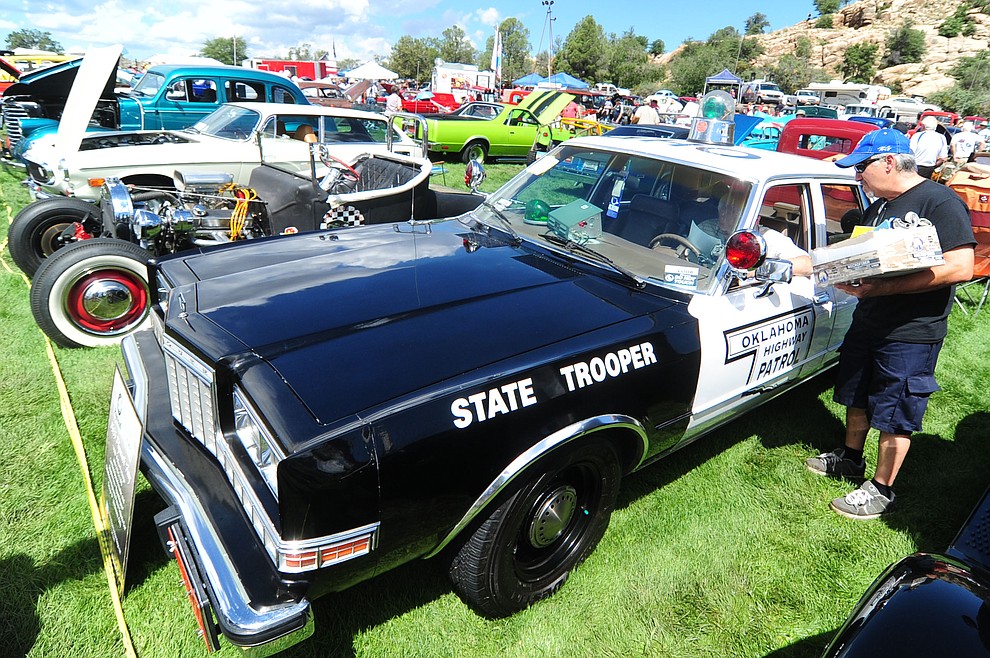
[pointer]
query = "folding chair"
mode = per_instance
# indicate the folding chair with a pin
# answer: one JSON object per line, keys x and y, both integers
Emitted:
{"x": 972, "y": 183}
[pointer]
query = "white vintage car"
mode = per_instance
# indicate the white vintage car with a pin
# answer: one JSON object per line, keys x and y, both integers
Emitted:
{"x": 905, "y": 105}
{"x": 234, "y": 139}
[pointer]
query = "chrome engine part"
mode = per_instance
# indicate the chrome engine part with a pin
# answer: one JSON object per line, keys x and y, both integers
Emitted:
{"x": 204, "y": 211}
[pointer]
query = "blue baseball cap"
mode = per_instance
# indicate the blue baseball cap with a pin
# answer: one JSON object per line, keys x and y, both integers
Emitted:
{"x": 886, "y": 141}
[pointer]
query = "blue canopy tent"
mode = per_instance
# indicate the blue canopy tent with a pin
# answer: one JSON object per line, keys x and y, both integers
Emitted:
{"x": 724, "y": 80}
{"x": 567, "y": 81}
{"x": 530, "y": 80}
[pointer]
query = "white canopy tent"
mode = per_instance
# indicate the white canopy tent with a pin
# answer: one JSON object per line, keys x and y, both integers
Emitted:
{"x": 370, "y": 71}
{"x": 167, "y": 58}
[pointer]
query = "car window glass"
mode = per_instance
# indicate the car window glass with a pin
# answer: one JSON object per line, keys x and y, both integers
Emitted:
{"x": 352, "y": 130}
{"x": 242, "y": 91}
{"x": 202, "y": 91}
{"x": 283, "y": 95}
{"x": 229, "y": 121}
{"x": 176, "y": 91}
{"x": 785, "y": 209}
{"x": 842, "y": 211}
{"x": 520, "y": 118}
{"x": 149, "y": 84}
{"x": 830, "y": 143}
{"x": 647, "y": 214}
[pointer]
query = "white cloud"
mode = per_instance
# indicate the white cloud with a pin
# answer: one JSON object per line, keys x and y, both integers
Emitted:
{"x": 489, "y": 16}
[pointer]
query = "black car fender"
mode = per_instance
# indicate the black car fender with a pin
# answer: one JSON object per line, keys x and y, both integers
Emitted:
{"x": 628, "y": 434}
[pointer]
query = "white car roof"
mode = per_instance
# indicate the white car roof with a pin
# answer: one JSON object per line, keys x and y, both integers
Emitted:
{"x": 741, "y": 162}
{"x": 269, "y": 109}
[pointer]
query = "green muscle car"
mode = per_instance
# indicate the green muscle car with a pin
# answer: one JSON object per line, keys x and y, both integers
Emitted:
{"x": 516, "y": 131}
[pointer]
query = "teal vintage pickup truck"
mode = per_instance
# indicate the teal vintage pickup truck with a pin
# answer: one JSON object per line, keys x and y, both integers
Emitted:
{"x": 517, "y": 131}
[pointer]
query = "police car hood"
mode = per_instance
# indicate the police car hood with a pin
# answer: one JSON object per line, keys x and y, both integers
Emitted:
{"x": 356, "y": 321}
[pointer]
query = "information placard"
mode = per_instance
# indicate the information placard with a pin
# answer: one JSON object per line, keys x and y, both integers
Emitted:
{"x": 122, "y": 458}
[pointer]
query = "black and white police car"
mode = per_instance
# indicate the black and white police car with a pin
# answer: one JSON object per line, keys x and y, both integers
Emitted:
{"x": 319, "y": 409}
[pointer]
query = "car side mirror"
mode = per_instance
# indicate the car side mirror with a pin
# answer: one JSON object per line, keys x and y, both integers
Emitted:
{"x": 773, "y": 270}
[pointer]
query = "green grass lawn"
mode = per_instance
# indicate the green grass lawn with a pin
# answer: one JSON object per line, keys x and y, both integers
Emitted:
{"x": 725, "y": 549}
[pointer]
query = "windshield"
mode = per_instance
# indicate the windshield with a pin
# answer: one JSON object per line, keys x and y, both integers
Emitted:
{"x": 229, "y": 122}
{"x": 149, "y": 84}
{"x": 658, "y": 219}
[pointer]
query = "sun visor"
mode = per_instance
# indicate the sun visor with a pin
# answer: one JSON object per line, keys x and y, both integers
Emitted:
{"x": 97, "y": 67}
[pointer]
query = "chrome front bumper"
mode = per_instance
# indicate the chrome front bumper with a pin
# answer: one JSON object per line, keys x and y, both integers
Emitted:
{"x": 259, "y": 631}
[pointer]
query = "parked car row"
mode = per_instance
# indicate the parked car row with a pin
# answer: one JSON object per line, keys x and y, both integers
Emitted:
{"x": 651, "y": 331}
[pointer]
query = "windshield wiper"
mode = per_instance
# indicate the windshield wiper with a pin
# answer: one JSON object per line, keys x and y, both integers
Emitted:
{"x": 504, "y": 220}
{"x": 571, "y": 245}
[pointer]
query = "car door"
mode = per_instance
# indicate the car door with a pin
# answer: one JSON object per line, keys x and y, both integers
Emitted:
{"x": 756, "y": 338}
{"x": 516, "y": 135}
{"x": 184, "y": 101}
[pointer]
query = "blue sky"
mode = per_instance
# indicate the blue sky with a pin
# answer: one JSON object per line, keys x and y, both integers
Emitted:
{"x": 361, "y": 29}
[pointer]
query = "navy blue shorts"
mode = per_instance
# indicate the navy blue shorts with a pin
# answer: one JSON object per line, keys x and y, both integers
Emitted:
{"x": 891, "y": 380}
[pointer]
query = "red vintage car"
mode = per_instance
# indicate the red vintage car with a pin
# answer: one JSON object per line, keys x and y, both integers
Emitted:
{"x": 822, "y": 138}
{"x": 9, "y": 74}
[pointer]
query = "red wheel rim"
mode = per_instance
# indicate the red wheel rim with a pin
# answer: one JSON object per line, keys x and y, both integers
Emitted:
{"x": 107, "y": 301}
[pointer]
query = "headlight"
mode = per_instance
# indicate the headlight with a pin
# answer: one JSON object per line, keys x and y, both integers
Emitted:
{"x": 256, "y": 441}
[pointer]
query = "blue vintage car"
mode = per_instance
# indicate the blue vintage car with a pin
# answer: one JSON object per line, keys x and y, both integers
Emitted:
{"x": 169, "y": 97}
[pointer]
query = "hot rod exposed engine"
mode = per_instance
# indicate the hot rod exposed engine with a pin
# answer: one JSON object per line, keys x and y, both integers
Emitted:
{"x": 206, "y": 210}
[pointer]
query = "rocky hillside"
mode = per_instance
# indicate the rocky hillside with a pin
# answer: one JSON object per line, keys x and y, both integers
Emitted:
{"x": 871, "y": 21}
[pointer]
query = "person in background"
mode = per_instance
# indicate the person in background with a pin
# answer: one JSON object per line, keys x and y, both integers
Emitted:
{"x": 984, "y": 135}
{"x": 393, "y": 103}
{"x": 964, "y": 143}
{"x": 929, "y": 147}
{"x": 887, "y": 360}
{"x": 647, "y": 115}
{"x": 571, "y": 111}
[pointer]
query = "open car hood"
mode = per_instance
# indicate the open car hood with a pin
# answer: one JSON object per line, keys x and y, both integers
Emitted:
{"x": 546, "y": 105}
{"x": 95, "y": 79}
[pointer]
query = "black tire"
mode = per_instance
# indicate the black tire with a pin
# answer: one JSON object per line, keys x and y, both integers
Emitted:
{"x": 525, "y": 550}
{"x": 476, "y": 150}
{"x": 35, "y": 230}
{"x": 532, "y": 156}
{"x": 92, "y": 293}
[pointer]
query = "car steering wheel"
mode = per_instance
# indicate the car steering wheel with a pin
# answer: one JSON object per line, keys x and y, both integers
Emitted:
{"x": 682, "y": 251}
{"x": 332, "y": 161}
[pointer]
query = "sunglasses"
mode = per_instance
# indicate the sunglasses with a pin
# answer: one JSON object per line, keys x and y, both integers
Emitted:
{"x": 861, "y": 167}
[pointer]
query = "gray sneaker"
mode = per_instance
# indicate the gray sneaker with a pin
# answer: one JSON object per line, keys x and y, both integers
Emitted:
{"x": 864, "y": 503}
{"x": 835, "y": 464}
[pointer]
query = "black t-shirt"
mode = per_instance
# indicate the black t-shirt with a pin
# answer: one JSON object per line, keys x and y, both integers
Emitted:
{"x": 917, "y": 317}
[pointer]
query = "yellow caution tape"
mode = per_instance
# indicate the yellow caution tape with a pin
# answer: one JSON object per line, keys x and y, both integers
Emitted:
{"x": 69, "y": 418}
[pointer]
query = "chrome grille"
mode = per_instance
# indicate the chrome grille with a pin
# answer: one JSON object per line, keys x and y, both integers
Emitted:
{"x": 12, "y": 115}
{"x": 190, "y": 389}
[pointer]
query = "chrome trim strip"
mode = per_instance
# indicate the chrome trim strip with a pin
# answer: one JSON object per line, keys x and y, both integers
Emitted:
{"x": 227, "y": 592}
{"x": 520, "y": 463}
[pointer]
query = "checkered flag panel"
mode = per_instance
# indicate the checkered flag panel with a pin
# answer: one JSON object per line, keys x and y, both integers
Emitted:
{"x": 342, "y": 216}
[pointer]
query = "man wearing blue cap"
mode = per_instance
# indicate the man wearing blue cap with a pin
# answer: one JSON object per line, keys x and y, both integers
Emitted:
{"x": 887, "y": 360}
